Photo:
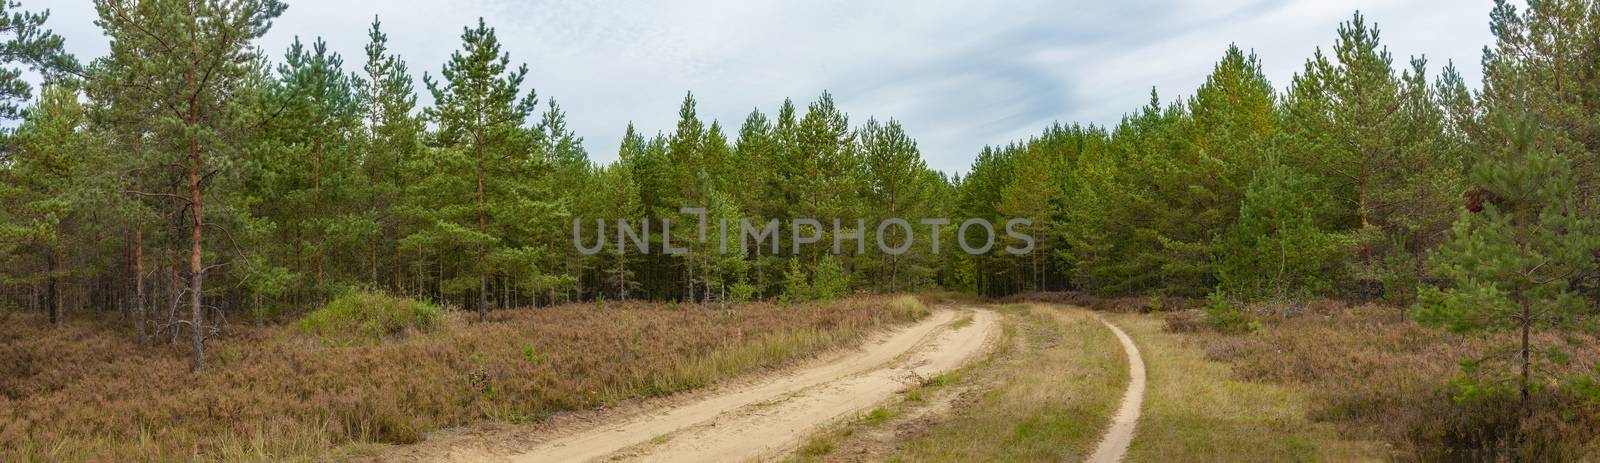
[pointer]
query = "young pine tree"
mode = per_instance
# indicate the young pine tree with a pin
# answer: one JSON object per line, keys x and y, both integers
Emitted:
{"x": 313, "y": 171}
{"x": 480, "y": 111}
{"x": 46, "y": 188}
{"x": 1509, "y": 266}
{"x": 393, "y": 138}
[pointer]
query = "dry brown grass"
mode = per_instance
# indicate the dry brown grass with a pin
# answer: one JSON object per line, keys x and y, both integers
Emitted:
{"x": 1197, "y": 410}
{"x": 1119, "y": 304}
{"x": 1052, "y": 395}
{"x": 1378, "y": 375}
{"x": 84, "y": 392}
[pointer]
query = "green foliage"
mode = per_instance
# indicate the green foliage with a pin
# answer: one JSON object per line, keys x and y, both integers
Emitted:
{"x": 532, "y": 355}
{"x": 27, "y": 42}
{"x": 909, "y": 306}
{"x": 741, "y": 292}
{"x": 310, "y": 178}
{"x": 826, "y": 281}
{"x": 796, "y": 284}
{"x": 494, "y": 201}
{"x": 829, "y": 281}
{"x": 369, "y": 316}
{"x": 1521, "y": 251}
{"x": 1275, "y": 249}
{"x": 1509, "y": 267}
{"x": 1229, "y": 316}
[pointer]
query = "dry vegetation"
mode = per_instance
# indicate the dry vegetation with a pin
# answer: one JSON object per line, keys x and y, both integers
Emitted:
{"x": 1045, "y": 394}
{"x": 1197, "y": 410}
{"x": 1378, "y": 375}
{"x": 1052, "y": 399}
{"x": 83, "y": 391}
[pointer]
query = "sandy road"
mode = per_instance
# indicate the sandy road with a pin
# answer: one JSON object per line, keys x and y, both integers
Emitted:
{"x": 1114, "y": 445}
{"x": 771, "y": 417}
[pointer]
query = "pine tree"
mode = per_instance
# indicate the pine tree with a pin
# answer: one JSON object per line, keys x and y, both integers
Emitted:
{"x": 896, "y": 188}
{"x": 29, "y": 43}
{"x": 759, "y": 189}
{"x": 1543, "y": 64}
{"x": 480, "y": 111}
{"x": 686, "y": 177}
{"x": 1032, "y": 195}
{"x": 194, "y": 60}
{"x": 126, "y": 120}
{"x": 1276, "y": 250}
{"x": 620, "y": 192}
{"x": 1509, "y": 266}
{"x": 49, "y": 187}
{"x": 981, "y": 192}
{"x": 1365, "y": 133}
{"x": 393, "y": 138}
{"x": 1200, "y": 185}
{"x": 827, "y": 168}
{"x": 310, "y": 171}
{"x": 570, "y": 179}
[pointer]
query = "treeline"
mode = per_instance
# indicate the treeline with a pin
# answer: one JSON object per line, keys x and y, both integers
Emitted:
{"x": 1343, "y": 184}
{"x": 190, "y": 176}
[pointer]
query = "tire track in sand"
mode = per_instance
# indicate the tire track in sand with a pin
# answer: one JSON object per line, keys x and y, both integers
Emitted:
{"x": 772, "y": 416}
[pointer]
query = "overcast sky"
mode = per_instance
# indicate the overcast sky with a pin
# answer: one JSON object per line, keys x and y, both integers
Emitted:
{"x": 958, "y": 75}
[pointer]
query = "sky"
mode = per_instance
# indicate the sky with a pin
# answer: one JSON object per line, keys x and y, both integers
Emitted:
{"x": 957, "y": 75}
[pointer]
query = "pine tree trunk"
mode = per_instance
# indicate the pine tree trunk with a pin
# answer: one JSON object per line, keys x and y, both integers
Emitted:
{"x": 1527, "y": 355}
{"x": 373, "y": 257}
{"x": 483, "y": 273}
{"x": 138, "y": 260}
{"x": 138, "y": 284}
{"x": 316, "y": 201}
{"x": 1361, "y": 212}
{"x": 372, "y": 187}
{"x": 622, "y": 275}
{"x": 483, "y": 294}
{"x": 196, "y": 235}
{"x": 52, "y": 293}
{"x": 894, "y": 273}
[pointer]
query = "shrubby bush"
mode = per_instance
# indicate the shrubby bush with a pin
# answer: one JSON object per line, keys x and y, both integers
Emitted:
{"x": 369, "y": 315}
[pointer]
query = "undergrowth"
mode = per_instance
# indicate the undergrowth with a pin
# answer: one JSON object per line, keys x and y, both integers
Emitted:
{"x": 84, "y": 391}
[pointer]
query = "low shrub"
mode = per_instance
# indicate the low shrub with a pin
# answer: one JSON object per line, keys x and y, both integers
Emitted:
{"x": 908, "y": 307}
{"x": 1229, "y": 317}
{"x": 368, "y": 316}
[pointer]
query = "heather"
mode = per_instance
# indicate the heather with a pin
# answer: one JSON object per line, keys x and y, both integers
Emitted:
{"x": 83, "y": 391}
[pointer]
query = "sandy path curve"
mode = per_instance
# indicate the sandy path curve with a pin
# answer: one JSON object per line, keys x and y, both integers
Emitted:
{"x": 1114, "y": 445}
{"x": 774, "y": 415}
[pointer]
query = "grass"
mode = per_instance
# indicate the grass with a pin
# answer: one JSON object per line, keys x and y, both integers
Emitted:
{"x": 1197, "y": 410}
{"x": 963, "y": 322}
{"x": 84, "y": 392}
{"x": 1376, "y": 375}
{"x": 824, "y": 445}
{"x": 1053, "y": 394}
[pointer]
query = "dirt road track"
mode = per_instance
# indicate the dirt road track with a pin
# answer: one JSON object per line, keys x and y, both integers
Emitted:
{"x": 769, "y": 418}
{"x": 1115, "y": 442}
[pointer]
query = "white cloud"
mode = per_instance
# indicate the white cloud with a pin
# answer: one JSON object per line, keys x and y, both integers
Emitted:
{"x": 959, "y": 75}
